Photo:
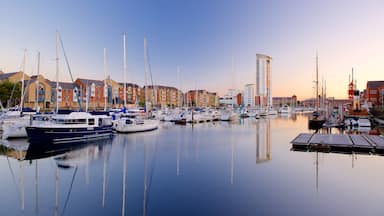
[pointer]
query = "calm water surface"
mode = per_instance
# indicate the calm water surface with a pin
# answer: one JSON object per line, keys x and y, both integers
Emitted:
{"x": 220, "y": 168}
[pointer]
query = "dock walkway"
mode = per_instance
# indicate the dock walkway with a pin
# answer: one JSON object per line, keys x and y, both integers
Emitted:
{"x": 340, "y": 142}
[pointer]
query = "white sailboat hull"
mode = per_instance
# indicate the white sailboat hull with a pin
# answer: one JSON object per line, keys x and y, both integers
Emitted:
{"x": 15, "y": 128}
{"x": 147, "y": 125}
{"x": 229, "y": 117}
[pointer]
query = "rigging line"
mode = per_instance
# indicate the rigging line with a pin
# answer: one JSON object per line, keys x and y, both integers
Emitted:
{"x": 25, "y": 92}
{"x": 14, "y": 86}
{"x": 12, "y": 92}
{"x": 70, "y": 72}
{"x": 69, "y": 192}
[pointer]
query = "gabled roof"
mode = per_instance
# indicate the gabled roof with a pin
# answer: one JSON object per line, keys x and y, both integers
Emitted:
{"x": 129, "y": 84}
{"x": 375, "y": 84}
{"x": 7, "y": 75}
{"x": 161, "y": 87}
{"x": 64, "y": 85}
{"x": 90, "y": 81}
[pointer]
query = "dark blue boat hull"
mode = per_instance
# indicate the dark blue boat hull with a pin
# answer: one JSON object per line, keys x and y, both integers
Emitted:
{"x": 67, "y": 135}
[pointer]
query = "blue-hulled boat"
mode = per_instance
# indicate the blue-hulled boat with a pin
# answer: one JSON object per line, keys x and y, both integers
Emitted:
{"x": 68, "y": 128}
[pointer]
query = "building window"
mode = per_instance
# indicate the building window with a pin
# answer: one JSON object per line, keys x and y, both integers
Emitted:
{"x": 373, "y": 91}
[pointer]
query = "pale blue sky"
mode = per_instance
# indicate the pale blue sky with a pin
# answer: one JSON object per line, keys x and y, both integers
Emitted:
{"x": 201, "y": 36}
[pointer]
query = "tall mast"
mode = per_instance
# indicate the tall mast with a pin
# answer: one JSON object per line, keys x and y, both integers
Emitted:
{"x": 125, "y": 72}
{"x": 37, "y": 81}
{"x": 145, "y": 72}
{"x": 317, "y": 83}
{"x": 352, "y": 81}
{"x": 57, "y": 71}
{"x": 22, "y": 81}
{"x": 179, "y": 100}
{"x": 233, "y": 85}
{"x": 105, "y": 80}
{"x": 197, "y": 100}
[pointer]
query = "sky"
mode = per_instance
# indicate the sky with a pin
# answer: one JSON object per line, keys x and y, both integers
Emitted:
{"x": 201, "y": 37}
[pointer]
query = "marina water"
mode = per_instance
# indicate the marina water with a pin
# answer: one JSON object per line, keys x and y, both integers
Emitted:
{"x": 215, "y": 168}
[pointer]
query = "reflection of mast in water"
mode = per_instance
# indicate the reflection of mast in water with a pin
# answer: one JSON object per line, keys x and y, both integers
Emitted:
{"x": 148, "y": 179}
{"x": 22, "y": 184}
{"x": 57, "y": 191}
{"x": 263, "y": 140}
{"x": 17, "y": 150}
{"x": 354, "y": 157}
{"x": 104, "y": 179}
{"x": 145, "y": 181}
{"x": 124, "y": 175}
{"x": 37, "y": 188}
{"x": 232, "y": 158}
{"x": 178, "y": 156}
{"x": 196, "y": 145}
{"x": 86, "y": 170}
{"x": 317, "y": 171}
{"x": 232, "y": 163}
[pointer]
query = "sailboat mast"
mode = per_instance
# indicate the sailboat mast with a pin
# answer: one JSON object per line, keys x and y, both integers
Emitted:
{"x": 22, "y": 81}
{"x": 37, "y": 82}
{"x": 57, "y": 71}
{"x": 125, "y": 71}
{"x": 105, "y": 80}
{"x": 317, "y": 83}
{"x": 145, "y": 73}
{"x": 179, "y": 100}
{"x": 233, "y": 85}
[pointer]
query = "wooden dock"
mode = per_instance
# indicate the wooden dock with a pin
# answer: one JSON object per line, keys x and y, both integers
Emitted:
{"x": 339, "y": 142}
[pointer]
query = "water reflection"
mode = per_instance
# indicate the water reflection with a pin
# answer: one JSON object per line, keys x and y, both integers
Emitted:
{"x": 16, "y": 149}
{"x": 263, "y": 140}
{"x": 66, "y": 157}
{"x": 209, "y": 169}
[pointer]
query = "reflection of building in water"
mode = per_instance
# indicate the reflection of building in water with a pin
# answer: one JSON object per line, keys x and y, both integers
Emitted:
{"x": 263, "y": 140}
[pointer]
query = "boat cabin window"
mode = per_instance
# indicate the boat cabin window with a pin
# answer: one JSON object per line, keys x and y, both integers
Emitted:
{"x": 128, "y": 121}
{"x": 106, "y": 121}
{"x": 91, "y": 121}
{"x": 70, "y": 121}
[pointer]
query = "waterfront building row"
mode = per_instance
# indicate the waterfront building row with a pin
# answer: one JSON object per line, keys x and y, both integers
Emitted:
{"x": 249, "y": 98}
{"x": 96, "y": 93}
{"x": 201, "y": 98}
{"x": 374, "y": 93}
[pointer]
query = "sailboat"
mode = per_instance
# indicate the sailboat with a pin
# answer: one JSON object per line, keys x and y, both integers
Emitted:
{"x": 316, "y": 121}
{"x": 229, "y": 114}
{"x": 131, "y": 122}
{"x": 15, "y": 122}
{"x": 72, "y": 127}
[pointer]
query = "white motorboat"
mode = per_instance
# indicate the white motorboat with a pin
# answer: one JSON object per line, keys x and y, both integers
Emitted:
{"x": 363, "y": 122}
{"x": 134, "y": 125}
{"x": 194, "y": 117}
{"x": 271, "y": 111}
{"x": 229, "y": 115}
{"x": 285, "y": 109}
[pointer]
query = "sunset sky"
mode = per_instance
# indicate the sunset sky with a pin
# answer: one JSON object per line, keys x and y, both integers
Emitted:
{"x": 202, "y": 37}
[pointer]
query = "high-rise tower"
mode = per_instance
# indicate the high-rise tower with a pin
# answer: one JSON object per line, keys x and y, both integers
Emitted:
{"x": 263, "y": 81}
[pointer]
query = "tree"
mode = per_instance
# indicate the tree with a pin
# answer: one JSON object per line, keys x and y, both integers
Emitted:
{"x": 10, "y": 93}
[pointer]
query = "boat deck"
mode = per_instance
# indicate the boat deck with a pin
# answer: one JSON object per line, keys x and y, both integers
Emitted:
{"x": 343, "y": 142}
